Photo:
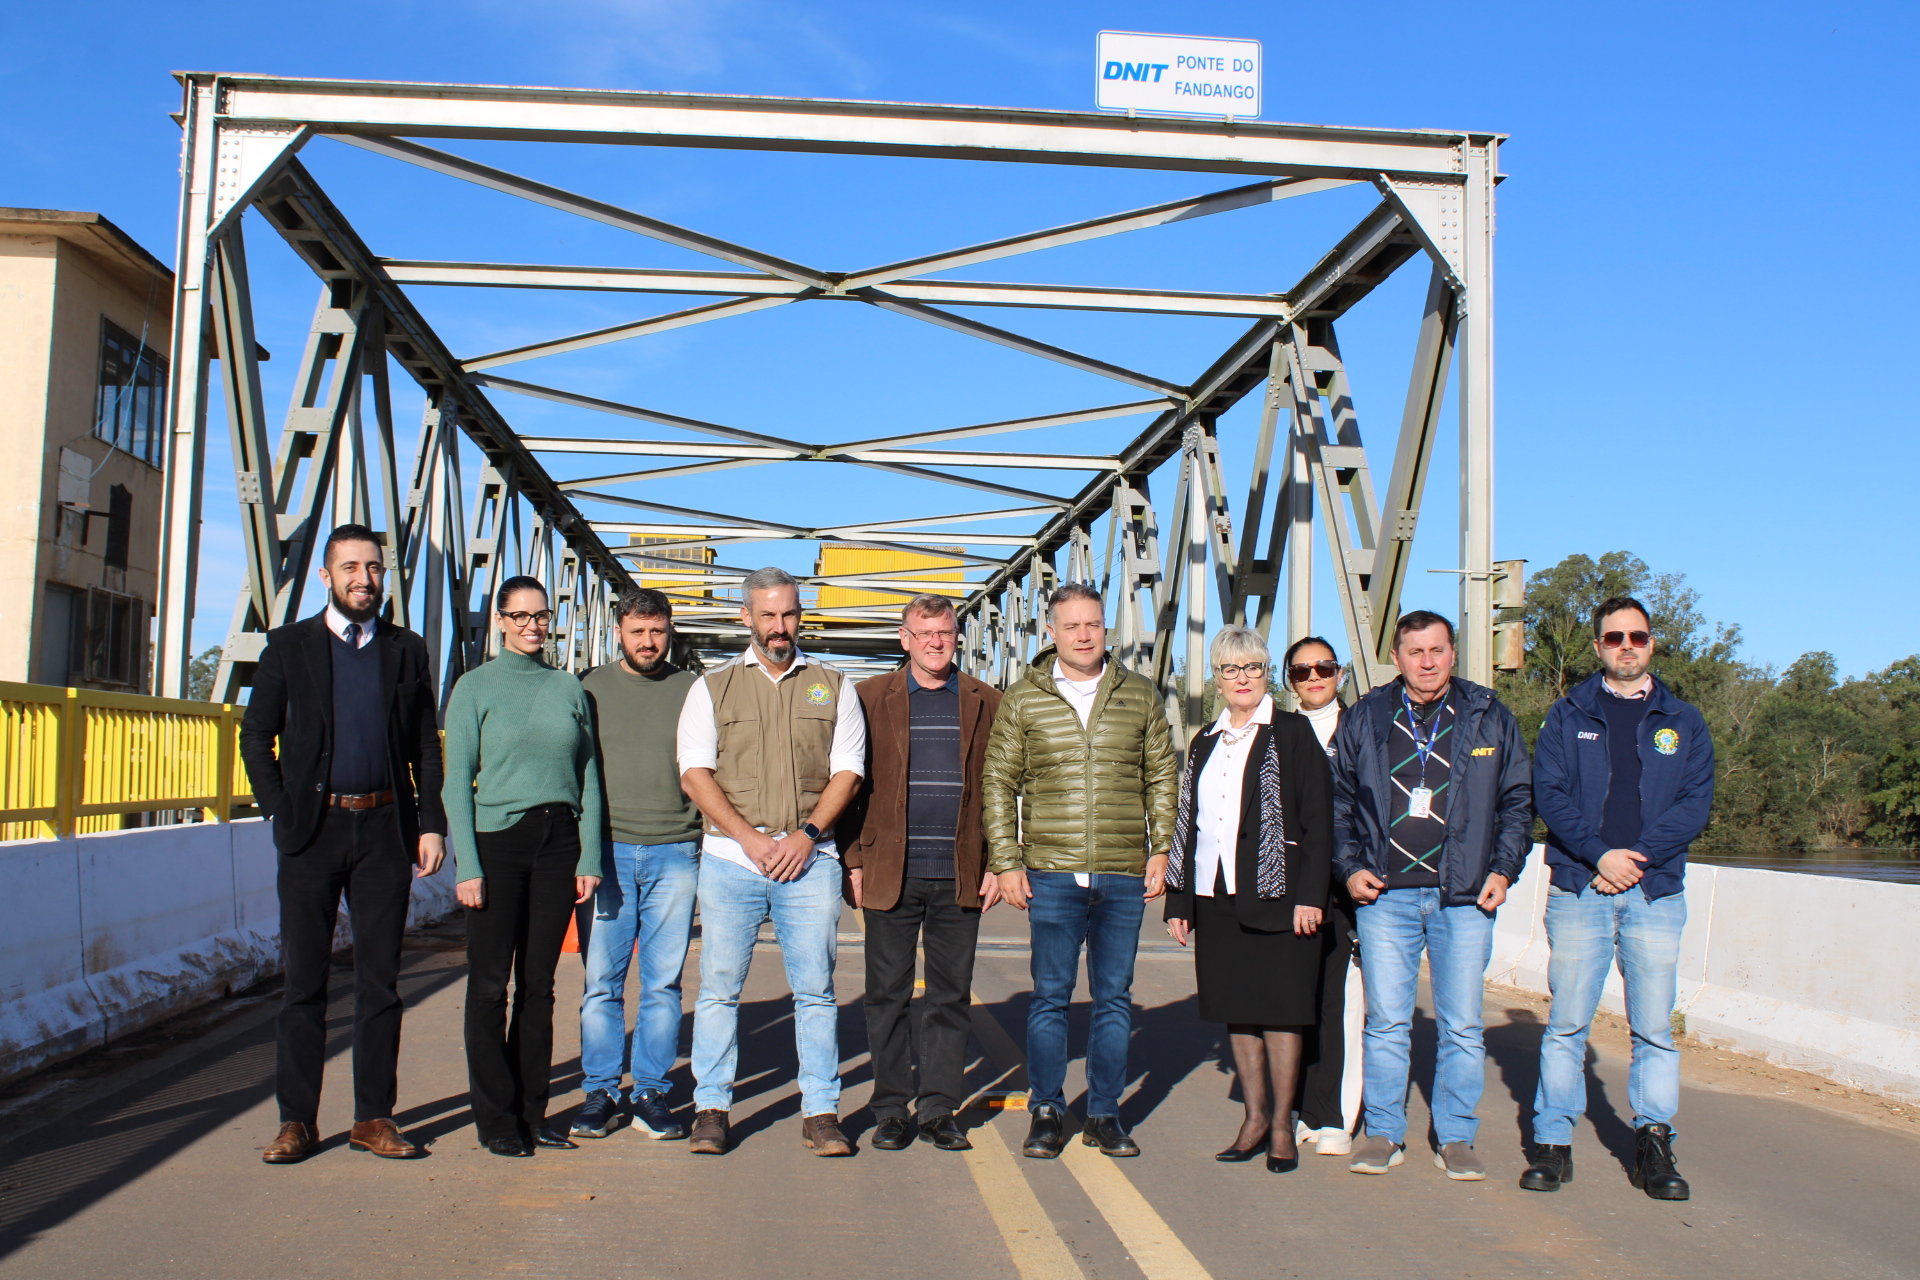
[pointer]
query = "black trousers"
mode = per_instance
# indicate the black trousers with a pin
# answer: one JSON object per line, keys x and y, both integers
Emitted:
{"x": 926, "y": 916}
{"x": 530, "y": 873}
{"x": 361, "y": 856}
{"x": 1325, "y": 1058}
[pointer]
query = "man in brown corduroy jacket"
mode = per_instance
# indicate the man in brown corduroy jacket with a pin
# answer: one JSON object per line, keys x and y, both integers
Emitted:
{"x": 916, "y": 866}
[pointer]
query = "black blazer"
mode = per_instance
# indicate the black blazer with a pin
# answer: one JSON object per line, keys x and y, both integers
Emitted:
{"x": 1306, "y": 806}
{"x": 292, "y": 702}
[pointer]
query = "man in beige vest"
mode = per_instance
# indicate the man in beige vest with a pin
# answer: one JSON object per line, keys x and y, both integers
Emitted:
{"x": 771, "y": 748}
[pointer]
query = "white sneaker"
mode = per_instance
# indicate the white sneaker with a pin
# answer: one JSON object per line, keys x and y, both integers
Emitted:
{"x": 1303, "y": 1134}
{"x": 1331, "y": 1142}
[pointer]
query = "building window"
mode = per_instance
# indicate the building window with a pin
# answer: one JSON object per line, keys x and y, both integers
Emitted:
{"x": 133, "y": 395}
{"x": 115, "y": 626}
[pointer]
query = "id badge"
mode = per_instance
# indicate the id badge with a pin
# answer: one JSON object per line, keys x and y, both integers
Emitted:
{"x": 1420, "y": 802}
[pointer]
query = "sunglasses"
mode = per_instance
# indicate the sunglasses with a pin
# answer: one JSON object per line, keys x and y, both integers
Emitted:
{"x": 1301, "y": 670}
{"x": 1634, "y": 639}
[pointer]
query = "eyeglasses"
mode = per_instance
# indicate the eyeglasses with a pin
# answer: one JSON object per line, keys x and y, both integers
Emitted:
{"x": 929, "y": 637}
{"x": 1633, "y": 639}
{"x": 1234, "y": 670}
{"x": 1326, "y": 670}
{"x": 521, "y": 620}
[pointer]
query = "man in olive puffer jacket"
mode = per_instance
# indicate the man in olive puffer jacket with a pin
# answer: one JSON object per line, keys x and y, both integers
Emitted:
{"x": 1084, "y": 742}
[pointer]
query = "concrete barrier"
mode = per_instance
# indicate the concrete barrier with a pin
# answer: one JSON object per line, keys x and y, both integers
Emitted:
{"x": 1818, "y": 973}
{"x": 103, "y": 934}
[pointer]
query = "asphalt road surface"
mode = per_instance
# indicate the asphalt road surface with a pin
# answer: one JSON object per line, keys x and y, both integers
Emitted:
{"x": 146, "y": 1163}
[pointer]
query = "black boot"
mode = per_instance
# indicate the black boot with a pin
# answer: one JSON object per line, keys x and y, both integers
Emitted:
{"x": 1653, "y": 1170}
{"x": 1551, "y": 1166}
{"x": 1047, "y": 1137}
{"x": 1105, "y": 1133}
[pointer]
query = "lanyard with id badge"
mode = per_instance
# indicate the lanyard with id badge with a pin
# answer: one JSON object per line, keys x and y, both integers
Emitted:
{"x": 1420, "y": 798}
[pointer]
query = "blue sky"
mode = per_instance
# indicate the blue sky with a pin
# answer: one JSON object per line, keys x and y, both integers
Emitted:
{"x": 1704, "y": 291}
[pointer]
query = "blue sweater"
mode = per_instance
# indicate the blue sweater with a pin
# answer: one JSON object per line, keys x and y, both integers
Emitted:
{"x": 1572, "y": 776}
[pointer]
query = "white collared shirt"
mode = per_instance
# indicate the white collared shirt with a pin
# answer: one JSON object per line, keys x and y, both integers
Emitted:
{"x": 1635, "y": 695}
{"x": 1217, "y": 796}
{"x": 697, "y": 746}
{"x": 338, "y": 623}
{"x": 1078, "y": 693}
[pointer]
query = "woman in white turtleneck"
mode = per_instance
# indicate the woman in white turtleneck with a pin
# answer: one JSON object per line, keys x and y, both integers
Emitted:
{"x": 1313, "y": 673}
{"x": 1330, "y": 1092}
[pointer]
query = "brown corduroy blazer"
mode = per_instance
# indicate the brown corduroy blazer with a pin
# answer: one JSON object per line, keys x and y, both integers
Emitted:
{"x": 873, "y": 834}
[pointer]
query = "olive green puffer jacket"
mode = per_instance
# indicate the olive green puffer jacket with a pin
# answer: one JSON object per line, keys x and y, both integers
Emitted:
{"x": 1089, "y": 792}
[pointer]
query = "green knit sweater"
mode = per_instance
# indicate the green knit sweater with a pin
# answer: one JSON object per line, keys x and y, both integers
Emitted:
{"x": 519, "y": 735}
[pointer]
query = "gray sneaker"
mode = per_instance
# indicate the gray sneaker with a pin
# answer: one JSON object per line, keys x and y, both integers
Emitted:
{"x": 1458, "y": 1161}
{"x": 1376, "y": 1155}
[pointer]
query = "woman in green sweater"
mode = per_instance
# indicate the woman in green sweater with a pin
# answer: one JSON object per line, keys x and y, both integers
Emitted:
{"x": 524, "y": 815}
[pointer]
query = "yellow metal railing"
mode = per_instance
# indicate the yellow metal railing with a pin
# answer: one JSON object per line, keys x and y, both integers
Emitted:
{"x": 79, "y": 760}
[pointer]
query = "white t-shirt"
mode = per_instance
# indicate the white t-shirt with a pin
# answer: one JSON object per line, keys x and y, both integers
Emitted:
{"x": 697, "y": 746}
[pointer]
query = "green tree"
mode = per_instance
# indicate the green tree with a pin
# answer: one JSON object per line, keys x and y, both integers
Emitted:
{"x": 200, "y": 674}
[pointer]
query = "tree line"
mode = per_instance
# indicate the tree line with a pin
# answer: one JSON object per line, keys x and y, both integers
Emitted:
{"x": 1803, "y": 758}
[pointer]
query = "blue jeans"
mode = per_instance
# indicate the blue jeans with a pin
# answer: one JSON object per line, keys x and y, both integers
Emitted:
{"x": 1394, "y": 928}
{"x": 1106, "y": 916}
{"x": 645, "y": 895}
{"x": 734, "y": 902}
{"x": 1585, "y": 930}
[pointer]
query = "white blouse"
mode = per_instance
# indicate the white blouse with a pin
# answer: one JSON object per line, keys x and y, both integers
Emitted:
{"x": 1217, "y": 797}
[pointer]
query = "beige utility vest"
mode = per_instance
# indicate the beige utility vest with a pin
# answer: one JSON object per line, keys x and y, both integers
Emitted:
{"x": 775, "y": 740}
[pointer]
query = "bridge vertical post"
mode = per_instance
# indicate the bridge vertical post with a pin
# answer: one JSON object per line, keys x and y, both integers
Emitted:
{"x": 186, "y": 393}
{"x": 1476, "y": 413}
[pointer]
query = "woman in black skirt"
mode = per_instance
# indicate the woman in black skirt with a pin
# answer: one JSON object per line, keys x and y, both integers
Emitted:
{"x": 1248, "y": 882}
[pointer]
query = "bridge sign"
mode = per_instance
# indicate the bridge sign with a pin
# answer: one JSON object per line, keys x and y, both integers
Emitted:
{"x": 1177, "y": 75}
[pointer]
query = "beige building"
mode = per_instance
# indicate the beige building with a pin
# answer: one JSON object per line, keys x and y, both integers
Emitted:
{"x": 85, "y": 323}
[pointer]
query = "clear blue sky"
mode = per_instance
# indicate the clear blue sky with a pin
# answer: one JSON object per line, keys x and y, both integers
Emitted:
{"x": 1705, "y": 282}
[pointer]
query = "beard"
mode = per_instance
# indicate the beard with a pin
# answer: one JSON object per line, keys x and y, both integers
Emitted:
{"x": 777, "y": 645}
{"x": 646, "y": 666}
{"x": 355, "y": 614}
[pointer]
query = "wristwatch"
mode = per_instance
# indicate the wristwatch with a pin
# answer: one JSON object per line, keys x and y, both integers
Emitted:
{"x": 812, "y": 832}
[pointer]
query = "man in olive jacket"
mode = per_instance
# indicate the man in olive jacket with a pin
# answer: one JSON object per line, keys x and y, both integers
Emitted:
{"x": 1084, "y": 743}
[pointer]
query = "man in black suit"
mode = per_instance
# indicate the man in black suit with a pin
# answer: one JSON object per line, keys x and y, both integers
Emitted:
{"x": 354, "y": 794}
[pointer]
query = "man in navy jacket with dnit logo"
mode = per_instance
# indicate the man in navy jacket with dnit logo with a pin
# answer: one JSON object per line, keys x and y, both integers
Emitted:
{"x": 1623, "y": 777}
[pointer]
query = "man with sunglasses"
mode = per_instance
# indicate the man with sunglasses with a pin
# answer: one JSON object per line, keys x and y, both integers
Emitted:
{"x": 1623, "y": 777}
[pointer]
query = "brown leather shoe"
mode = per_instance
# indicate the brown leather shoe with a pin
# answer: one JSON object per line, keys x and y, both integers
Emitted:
{"x": 381, "y": 1137}
{"x": 709, "y": 1136}
{"x": 295, "y": 1143}
{"x": 821, "y": 1135}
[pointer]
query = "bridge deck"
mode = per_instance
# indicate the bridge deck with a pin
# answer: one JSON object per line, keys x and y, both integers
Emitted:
{"x": 149, "y": 1167}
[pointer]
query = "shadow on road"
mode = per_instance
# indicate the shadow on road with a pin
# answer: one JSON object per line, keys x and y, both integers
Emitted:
{"x": 58, "y": 1171}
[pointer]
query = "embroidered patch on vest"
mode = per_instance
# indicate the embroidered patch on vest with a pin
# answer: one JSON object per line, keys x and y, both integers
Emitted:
{"x": 819, "y": 695}
{"x": 1666, "y": 741}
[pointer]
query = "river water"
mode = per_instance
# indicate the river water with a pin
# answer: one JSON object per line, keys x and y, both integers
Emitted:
{"x": 1900, "y": 865}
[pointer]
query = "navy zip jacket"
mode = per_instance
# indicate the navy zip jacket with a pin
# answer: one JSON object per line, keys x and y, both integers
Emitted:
{"x": 1490, "y": 804}
{"x": 1571, "y": 773}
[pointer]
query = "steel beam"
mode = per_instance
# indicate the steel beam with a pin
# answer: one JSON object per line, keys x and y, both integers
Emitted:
{"x": 373, "y": 109}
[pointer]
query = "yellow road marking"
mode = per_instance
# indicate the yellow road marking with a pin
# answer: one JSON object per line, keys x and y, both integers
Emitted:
{"x": 1145, "y": 1235}
{"x": 1038, "y": 1252}
{"x": 1156, "y": 1250}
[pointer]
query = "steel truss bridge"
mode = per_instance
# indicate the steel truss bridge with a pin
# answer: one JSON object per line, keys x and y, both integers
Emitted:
{"x": 450, "y": 539}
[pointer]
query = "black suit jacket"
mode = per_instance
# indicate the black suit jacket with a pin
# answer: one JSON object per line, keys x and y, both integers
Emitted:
{"x": 292, "y": 702}
{"x": 1306, "y": 808}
